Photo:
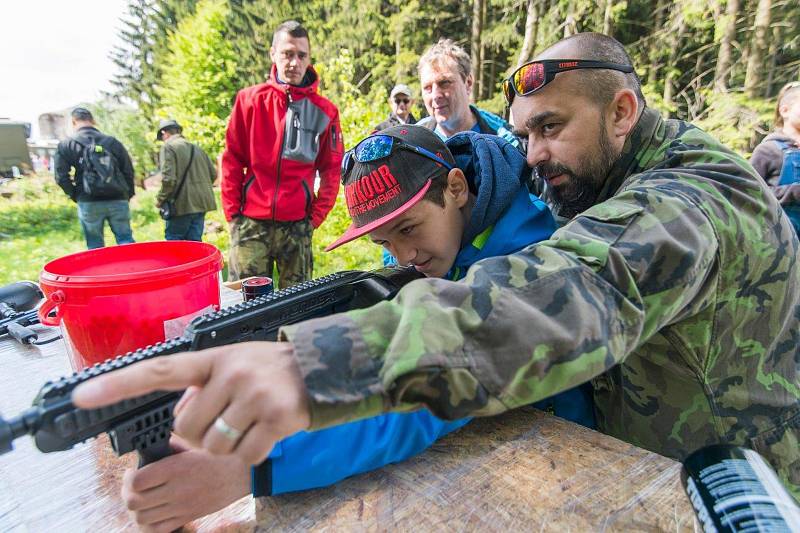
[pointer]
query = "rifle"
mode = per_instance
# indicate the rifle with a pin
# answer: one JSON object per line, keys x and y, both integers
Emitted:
{"x": 144, "y": 424}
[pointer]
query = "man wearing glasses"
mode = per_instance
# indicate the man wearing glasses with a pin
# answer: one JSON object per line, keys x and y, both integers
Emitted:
{"x": 674, "y": 288}
{"x": 401, "y": 100}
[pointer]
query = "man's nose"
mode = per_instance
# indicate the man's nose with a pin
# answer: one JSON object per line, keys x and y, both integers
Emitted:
{"x": 537, "y": 153}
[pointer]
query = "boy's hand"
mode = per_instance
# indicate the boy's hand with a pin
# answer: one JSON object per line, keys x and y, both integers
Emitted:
{"x": 169, "y": 493}
{"x": 244, "y": 397}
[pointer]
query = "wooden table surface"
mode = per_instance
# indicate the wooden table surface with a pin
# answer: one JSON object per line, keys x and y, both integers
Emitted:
{"x": 524, "y": 470}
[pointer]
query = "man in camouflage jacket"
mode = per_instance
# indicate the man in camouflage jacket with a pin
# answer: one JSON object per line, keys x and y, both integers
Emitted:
{"x": 674, "y": 289}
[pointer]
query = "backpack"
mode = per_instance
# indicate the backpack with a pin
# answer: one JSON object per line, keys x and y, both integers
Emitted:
{"x": 100, "y": 173}
{"x": 790, "y": 173}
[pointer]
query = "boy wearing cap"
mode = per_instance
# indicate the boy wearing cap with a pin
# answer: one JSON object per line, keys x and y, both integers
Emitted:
{"x": 440, "y": 208}
{"x": 401, "y": 100}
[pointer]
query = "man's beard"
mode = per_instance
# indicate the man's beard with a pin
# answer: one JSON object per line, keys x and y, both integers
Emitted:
{"x": 583, "y": 185}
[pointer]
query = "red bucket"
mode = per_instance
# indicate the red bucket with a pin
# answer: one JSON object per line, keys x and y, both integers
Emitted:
{"x": 110, "y": 301}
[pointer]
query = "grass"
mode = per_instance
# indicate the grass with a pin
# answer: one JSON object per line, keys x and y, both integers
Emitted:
{"x": 38, "y": 223}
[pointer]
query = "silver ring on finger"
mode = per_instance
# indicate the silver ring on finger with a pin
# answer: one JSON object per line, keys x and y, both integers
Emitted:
{"x": 226, "y": 430}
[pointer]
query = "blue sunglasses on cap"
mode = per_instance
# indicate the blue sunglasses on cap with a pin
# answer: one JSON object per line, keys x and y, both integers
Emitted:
{"x": 378, "y": 147}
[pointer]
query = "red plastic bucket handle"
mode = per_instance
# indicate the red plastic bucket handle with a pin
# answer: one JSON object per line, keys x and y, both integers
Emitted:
{"x": 49, "y": 304}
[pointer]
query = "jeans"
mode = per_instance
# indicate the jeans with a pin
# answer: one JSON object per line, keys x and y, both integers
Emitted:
{"x": 92, "y": 216}
{"x": 185, "y": 227}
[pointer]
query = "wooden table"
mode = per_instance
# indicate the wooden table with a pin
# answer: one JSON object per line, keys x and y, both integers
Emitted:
{"x": 521, "y": 471}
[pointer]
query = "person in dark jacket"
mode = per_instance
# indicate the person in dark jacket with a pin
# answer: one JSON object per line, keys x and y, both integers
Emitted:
{"x": 93, "y": 211}
{"x": 401, "y": 100}
{"x": 187, "y": 182}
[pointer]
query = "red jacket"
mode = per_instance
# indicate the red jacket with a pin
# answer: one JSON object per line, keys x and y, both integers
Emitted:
{"x": 279, "y": 137}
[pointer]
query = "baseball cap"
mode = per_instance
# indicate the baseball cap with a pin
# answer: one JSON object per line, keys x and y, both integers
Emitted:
{"x": 401, "y": 88}
{"x": 166, "y": 123}
{"x": 379, "y": 191}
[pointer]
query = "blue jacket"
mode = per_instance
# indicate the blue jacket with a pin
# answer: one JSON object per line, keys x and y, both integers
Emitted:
{"x": 485, "y": 122}
{"x": 504, "y": 219}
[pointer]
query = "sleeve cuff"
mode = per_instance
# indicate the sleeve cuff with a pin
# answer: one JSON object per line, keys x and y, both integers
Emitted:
{"x": 352, "y": 392}
{"x": 261, "y": 479}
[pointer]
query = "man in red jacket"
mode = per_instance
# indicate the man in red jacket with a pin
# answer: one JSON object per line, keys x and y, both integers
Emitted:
{"x": 282, "y": 134}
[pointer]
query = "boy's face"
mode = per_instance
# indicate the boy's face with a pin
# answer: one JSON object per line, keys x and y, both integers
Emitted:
{"x": 428, "y": 235}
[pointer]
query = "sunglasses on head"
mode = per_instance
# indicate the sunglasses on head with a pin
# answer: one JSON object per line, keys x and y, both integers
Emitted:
{"x": 534, "y": 75}
{"x": 377, "y": 147}
{"x": 401, "y": 100}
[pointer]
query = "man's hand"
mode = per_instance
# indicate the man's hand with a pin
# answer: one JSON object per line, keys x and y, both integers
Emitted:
{"x": 788, "y": 194}
{"x": 169, "y": 493}
{"x": 243, "y": 397}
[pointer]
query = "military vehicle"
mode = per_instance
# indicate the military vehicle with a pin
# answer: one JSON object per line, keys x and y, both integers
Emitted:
{"x": 14, "y": 157}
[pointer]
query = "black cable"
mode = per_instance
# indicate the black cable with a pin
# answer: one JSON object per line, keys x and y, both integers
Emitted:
{"x": 47, "y": 341}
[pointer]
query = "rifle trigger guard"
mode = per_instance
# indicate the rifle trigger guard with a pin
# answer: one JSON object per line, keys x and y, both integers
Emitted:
{"x": 50, "y": 303}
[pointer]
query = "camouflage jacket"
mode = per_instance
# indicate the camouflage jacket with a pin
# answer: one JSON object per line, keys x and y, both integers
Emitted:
{"x": 676, "y": 294}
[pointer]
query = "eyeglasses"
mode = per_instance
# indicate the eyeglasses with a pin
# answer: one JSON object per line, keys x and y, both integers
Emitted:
{"x": 534, "y": 75}
{"x": 378, "y": 147}
{"x": 401, "y": 101}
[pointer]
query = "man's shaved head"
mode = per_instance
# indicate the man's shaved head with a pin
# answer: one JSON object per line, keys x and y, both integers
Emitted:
{"x": 599, "y": 85}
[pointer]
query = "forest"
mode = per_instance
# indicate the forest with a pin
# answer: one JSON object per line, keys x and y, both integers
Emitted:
{"x": 717, "y": 63}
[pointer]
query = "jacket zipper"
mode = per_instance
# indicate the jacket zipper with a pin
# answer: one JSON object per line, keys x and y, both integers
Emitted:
{"x": 308, "y": 197}
{"x": 247, "y": 185}
{"x": 280, "y": 155}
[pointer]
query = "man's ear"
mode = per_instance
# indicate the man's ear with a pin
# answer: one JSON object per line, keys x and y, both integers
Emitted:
{"x": 469, "y": 82}
{"x": 624, "y": 112}
{"x": 457, "y": 187}
{"x": 272, "y": 54}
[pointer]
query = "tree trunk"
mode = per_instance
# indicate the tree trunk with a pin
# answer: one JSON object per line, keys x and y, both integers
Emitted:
{"x": 484, "y": 81}
{"x": 752, "y": 77}
{"x": 607, "y": 17}
{"x": 397, "y": 51}
{"x": 722, "y": 72}
{"x": 570, "y": 24}
{"x": 531, "y": 29}
{"x": 774, "y": 46}
{"x": 677, "y": 29}
{"x": 475, "y": 45}
{"x": 655, "y": 43}
{"x": 492, "y": 73}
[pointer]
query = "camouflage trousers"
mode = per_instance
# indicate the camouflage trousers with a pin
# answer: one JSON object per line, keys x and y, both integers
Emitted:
{"x": 258, "y": 245}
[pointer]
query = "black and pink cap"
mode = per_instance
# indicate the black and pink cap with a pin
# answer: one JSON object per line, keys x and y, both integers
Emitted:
{"x": 379, "y": 191}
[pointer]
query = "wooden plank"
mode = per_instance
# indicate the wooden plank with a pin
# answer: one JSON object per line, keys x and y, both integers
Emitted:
{"x": 524, "y": 470}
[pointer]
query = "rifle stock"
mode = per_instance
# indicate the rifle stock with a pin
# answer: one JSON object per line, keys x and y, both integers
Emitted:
{"x": 144, "y": 423}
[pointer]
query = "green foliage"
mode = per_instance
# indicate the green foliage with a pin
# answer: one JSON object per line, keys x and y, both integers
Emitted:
{"x": 358, "y": 113}
{"x": 143, "y": 44}
{"x": 198, "y": 85}
{"x": 133, "y": 129}
{"x": 736, "y": 120}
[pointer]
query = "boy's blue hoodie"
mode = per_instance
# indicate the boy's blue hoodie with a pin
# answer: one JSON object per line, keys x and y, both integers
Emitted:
{"x": 504, "y": 219}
